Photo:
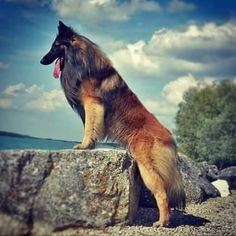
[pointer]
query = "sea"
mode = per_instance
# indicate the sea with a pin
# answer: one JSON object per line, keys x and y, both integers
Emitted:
{"x": 8, "y": 142}
{"x": 19, "y": 143}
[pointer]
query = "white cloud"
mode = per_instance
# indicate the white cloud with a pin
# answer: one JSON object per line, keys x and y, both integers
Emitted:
{"x": 36, "y": 90}
{"x": 5, "y": 103}
{"x": 112, "y": 45}
{"x": 180, "y": 6}
{"x": 35, "y": 97}
{"x": 208, "y": 49}
{"x": 174, "y": 90}
{"x": 163, "y": 111}
{"x": 209, "y": 36}
{"x": 100, "y": 2}
{"x": 48, "y": 101}
{"x": 134, "y": 57}
{"x": 165, "y": 105}
{"x": 103, "y": 10}
{"x": 159, "y": 106}
{"x": 14, "y": 90}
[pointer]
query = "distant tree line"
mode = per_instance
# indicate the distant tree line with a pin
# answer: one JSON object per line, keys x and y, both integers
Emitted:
{"x": 206, "y": 124}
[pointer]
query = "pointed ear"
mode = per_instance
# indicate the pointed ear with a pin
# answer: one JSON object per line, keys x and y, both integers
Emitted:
{"x": 64, "y": 31}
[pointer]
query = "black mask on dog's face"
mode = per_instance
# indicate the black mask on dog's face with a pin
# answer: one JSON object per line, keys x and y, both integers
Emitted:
{"x": 58, "y": 47}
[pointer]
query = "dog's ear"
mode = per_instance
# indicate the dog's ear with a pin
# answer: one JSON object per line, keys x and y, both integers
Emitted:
{"x": 64, "y": 31}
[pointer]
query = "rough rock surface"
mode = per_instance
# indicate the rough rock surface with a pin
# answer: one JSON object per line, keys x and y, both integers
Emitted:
{"x": 229, "y": 174}
{"x": 42, "y": 191}
{"x": 197, "y": 187}
{"x": 210, "y": 172}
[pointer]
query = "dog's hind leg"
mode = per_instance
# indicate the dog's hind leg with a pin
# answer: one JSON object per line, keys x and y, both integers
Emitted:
{"x": 142, "y": 152}
{"x": 156, "y": 186}
{"x": 94, "y": 123}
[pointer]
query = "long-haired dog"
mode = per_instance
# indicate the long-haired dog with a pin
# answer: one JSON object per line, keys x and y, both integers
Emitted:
{"x": 108, "y": 108}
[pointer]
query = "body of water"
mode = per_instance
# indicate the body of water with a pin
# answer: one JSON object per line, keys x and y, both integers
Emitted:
{"x": 11, "y": 142}
{"x": 8, "y": 142}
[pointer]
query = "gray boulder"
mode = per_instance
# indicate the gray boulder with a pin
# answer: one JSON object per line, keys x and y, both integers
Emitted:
{"x": 190, "y": 173}
{"x": 208, "y": 171}
{"x": 197, "y": 187}
{"x": 42, "y": 191}
{"x": 229, "y": 174}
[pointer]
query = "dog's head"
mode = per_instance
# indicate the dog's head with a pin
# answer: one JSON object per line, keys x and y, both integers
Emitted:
{"x": 59, "y": 46}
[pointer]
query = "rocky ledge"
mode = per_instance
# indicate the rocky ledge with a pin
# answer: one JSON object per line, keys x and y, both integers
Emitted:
{"x": 42, "y": 191}
{"x": 48, "y": 191}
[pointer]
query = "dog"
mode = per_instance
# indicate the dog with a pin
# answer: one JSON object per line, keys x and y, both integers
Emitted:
{"x": 109, "y": 109}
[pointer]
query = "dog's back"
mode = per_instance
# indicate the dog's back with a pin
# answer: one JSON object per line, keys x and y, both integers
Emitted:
{"x": 128, "y": 121}
{"x": 109, "y": 108}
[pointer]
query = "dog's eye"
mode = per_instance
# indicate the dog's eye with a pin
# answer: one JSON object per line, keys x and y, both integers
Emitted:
{"x": 55, "y": 46}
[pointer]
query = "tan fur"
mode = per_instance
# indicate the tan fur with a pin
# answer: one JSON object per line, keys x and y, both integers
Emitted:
{"x": 151, "y": 145}
{"x": 94, "y": 122}
{"x": 110, "y": 109}
{"x": 110, "y": 84}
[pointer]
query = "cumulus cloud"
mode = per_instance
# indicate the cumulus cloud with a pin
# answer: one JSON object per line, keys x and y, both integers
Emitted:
{"x": 133, "y": 57}
{"x": 14, "y": 90}
{"x": 206, "y": 38}
{"x": 174, "y": 90}
{"x": 35, "y": 97}
{"x": 48, "y": 101}
{"x": 165, "y": 105}
{"x": 159, "y": 106}
{"x": 5, "y": 103}
{"x": 180, "y": 6}
{"x": 111, "y": 45}
{"x": 209, "y": 49}
{"x": 103, "y": 10}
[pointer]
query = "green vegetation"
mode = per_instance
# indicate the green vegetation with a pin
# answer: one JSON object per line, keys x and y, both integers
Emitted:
{"x": 206, "y": 124}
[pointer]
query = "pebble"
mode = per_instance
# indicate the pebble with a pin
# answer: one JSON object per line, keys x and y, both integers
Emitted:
{"x": 214, "y": 217}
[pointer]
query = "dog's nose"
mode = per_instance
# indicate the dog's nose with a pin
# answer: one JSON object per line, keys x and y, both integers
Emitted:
{"x": 42, "y": 61}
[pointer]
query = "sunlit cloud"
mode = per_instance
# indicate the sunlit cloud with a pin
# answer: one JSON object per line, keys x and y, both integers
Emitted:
{"x": 208, "y": 49}
{"x": 34, "y": 97}
{"x": 103, "y": 10}
{"x": 180, "y": 6}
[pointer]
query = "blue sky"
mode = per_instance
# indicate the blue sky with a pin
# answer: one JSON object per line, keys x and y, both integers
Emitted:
{"x": 161, "y": 48}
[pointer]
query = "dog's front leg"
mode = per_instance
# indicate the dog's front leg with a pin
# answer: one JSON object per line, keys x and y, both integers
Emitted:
{"x": 94, "y": 123}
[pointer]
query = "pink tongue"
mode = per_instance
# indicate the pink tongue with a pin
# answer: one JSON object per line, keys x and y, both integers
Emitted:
{"x": 57, "y": 69}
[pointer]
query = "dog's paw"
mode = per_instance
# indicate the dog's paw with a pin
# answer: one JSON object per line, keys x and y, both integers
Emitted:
{"x": 83, "y": 147}
{"x": 80, "y": 146}
{"x": 160, "y": 224}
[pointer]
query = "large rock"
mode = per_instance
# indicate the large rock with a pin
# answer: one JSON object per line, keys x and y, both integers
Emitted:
{"x": 210, "y": 172}
{"x": 197, "y": 187}
{"x": 190, "y": 173}
{"x": 229, "y": 174}
{"x": 42, "y": 191}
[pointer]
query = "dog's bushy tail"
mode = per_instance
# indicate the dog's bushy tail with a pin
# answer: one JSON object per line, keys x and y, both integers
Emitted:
{"x": 165, "y": 165}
